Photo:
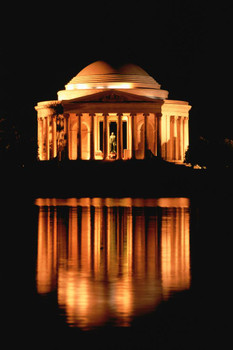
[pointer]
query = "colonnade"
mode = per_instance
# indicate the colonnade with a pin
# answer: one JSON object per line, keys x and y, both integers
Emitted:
{"x": 175, "y": 138}
{"x": 86, "y": 136}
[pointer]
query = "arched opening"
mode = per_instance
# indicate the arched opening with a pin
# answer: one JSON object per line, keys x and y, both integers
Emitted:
{"x": 150, "y": 137}
{"x": 140, "y": 140}
{"x": 149, "y": 143}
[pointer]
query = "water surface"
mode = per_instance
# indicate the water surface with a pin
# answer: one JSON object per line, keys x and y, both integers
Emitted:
{"x": 110, "y": 261}
{"x": 109, "y": 273}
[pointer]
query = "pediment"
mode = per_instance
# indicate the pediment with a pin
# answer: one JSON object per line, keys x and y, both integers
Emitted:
{"x": 110, "y": 96}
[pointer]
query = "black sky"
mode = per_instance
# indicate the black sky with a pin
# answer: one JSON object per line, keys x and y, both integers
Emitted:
{"x": 184, "y": 45}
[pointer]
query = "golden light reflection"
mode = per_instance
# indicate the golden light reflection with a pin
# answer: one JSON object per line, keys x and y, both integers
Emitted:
{"x": 112, "y": 259}
{"x": 175, "y": 255}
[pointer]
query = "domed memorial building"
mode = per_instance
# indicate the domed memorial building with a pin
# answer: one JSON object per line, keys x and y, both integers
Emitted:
{"x": 108, "y": 113}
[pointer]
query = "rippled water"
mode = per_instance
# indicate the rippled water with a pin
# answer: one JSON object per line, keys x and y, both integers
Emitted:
{"x": 111, "y": 260}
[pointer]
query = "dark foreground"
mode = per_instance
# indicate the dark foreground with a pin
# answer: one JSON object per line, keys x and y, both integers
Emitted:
{"x": 131, "y": 178}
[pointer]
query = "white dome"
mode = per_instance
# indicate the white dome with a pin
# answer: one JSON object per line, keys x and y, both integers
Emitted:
{"x": 101, "y": 76}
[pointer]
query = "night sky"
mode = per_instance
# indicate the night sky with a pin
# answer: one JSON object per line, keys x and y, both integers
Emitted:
{"x": 184, "y": 45}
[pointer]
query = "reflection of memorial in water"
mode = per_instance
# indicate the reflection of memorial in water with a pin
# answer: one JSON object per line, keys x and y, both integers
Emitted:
{"x": 112, "y": 260}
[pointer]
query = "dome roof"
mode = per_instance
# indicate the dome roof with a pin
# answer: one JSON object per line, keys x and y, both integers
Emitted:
{"x": 98, "y": 67}
{"x": 101, "y": 67}
{"x": 101, "y": 72}
{"x": 102, "y": 76}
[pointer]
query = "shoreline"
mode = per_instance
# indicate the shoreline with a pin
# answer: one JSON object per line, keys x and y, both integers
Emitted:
{"x": 150, "y": 178}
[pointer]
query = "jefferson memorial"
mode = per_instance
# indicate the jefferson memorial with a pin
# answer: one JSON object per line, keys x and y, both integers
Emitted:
{"x": 108, "y": 113}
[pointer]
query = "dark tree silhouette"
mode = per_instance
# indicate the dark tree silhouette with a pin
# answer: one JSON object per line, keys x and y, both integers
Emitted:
{"x": 16, "y": 148}
{"x": 9, "y": 141}
{"x": 210, "y": 153}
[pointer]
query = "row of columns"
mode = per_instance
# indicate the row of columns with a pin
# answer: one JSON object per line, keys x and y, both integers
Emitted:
{"x": 93, "y": 134}
{"x": 50, "y": 140}
{"x": 179, "y": 138}
{"x": 119, "y": 135}
{"x": 56, "y": 133}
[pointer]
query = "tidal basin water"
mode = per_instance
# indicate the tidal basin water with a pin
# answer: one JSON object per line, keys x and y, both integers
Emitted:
{"x": 116, "y": 273}
{"x": 111, "y": 260}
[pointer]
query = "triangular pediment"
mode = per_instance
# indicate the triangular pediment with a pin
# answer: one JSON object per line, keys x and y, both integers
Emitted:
{"x": 112, "y": 96}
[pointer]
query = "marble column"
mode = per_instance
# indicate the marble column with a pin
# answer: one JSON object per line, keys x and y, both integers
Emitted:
{"x": 145, "y": 115}
{"x": 105, "y": 136}
{"x": 159, "y": 131}
{"x": 68, "y": 145}
{"x": 155, "y": 135}
{"x": 176, "y": 138}
{"x": 92, "y": 135}
{"x": 178, "y": 144}
{"x": 181, "y": 134}
{"x": 186, "y": 134}
{"x": 40, "y": 138}
{"x": 132, "y": 135}
{"x": 66, "y": 135}
{"x": 73, "y": 136}
{"x": 168, "y": 139}
{"x": 54, "y": 137}
{"x": 47, "y": 155}
{"x": 172, "y": 137}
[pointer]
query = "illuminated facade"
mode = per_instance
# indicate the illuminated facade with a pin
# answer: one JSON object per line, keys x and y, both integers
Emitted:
{"x": 102, "y": 101}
